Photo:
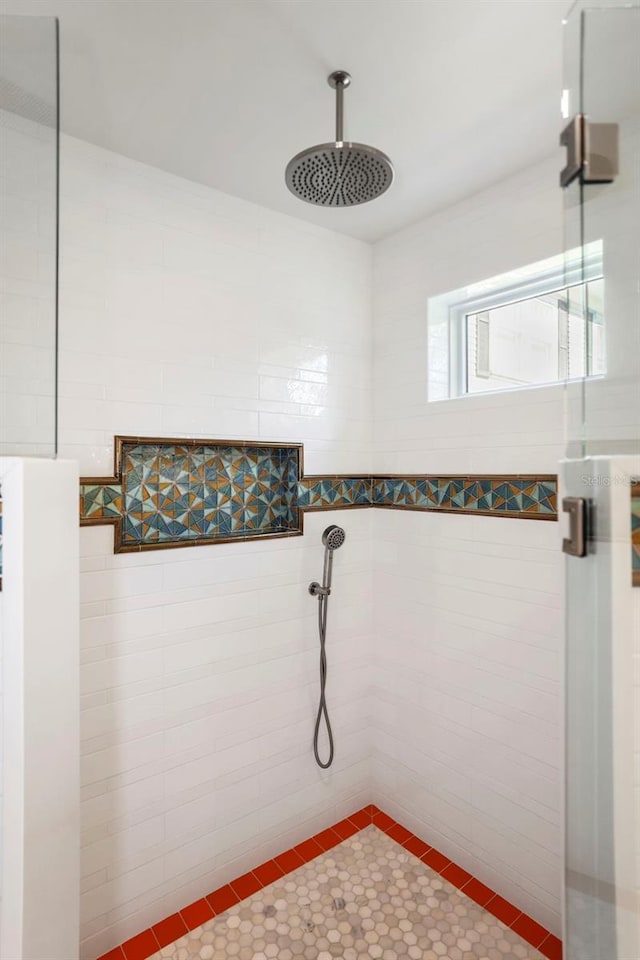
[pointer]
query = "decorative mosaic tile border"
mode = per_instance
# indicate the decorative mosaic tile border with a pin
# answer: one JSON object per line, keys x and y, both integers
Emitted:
{"x": 175, "y": 492}
{"x": 151, "y": 941}
{"x": 523, "y": 496}
{"x": 334, "y": 493}
{"x": 635, "y": 534}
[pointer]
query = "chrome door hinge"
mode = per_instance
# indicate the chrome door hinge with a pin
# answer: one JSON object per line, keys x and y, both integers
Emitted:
{"x": 576, "y": 543}
{"x": 592, "y": 151}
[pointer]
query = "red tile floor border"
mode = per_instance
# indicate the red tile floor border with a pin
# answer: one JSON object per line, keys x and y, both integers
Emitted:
{"x": 150, "y": 941}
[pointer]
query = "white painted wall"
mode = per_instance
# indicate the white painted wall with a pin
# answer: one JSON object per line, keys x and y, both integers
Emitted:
{"x": 185, "y": 312}
{"x": 40, "y": 712}
{"x": 468, "y": 612}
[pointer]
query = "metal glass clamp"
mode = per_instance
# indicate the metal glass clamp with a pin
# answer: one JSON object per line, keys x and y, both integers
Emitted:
{"x": 592, "y": 151}
{"x": 576, "y": 543}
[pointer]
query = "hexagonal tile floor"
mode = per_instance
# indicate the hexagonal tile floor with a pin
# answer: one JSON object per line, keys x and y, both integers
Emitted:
{"x": 366, "y": 898}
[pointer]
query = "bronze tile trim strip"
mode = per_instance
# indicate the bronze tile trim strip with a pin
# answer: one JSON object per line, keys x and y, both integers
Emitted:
{"x": 472, "y": 512}
{"x": 120, "y": 441}
{"x": 635, "y": 534}
{"x": 534, "y": 477}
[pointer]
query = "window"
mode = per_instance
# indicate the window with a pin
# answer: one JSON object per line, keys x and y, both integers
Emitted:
{"x": 541, "y": 324}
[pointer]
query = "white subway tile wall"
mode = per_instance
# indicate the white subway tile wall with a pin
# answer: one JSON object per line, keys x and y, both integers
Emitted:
{"x": 466, "y": 705}
{"x": 185, "y": 312}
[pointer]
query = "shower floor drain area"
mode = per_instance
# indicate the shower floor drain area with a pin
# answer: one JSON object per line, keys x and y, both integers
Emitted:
{"x": 368, "y": 897}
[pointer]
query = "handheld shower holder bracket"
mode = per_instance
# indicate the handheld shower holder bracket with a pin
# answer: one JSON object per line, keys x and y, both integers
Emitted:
{"x": 317, "y": 590}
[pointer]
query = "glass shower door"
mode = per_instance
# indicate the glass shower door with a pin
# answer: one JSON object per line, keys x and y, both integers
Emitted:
{"x": 29, "y": 156}
{"x": 602, "y": 218}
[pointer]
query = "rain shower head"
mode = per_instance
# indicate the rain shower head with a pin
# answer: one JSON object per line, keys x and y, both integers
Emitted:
{"x": 333, "y": 537}
{"x": 339, "y": 174}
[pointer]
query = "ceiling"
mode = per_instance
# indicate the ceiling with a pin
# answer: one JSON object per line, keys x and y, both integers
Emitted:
{"x": 459, "y": 93}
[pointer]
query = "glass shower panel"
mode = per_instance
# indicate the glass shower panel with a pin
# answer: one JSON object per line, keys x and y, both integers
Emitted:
{"x": 29, "y": 139}
{"x": 602, "y": 919}
{"x": 611, "y": 213}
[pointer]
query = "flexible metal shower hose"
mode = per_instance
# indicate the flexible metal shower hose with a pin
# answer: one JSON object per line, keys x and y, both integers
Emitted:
{"x": 323, "y": 603}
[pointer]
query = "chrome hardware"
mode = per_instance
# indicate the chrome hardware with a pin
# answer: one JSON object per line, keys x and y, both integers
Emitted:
{"x": 316, "y": 590}
{"x": 340, "y": 173}
{"x": 332, "y": 539}
{"x": 601, "y": 163}
{"x": 575, "y": 545}
{"x": 592, "y": 151}
{"x": 339, "y": 80}
{"x": 571, "y": 138}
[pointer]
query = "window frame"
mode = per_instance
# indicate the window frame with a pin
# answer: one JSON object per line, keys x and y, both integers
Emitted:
{"x": 575, "y": 269}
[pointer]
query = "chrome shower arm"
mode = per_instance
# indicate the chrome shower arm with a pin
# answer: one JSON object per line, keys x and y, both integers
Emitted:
{"x": 339, "y": 80}
{"x": 339, "y": 113}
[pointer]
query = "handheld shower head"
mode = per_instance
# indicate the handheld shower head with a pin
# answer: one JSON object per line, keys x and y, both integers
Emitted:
{"x": 333, "y": 537}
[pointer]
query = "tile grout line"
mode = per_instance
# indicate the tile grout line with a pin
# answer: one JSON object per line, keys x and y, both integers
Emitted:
{"x": 145, "y": 944}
